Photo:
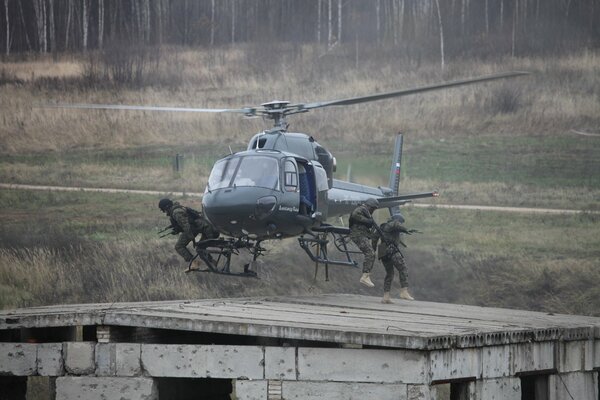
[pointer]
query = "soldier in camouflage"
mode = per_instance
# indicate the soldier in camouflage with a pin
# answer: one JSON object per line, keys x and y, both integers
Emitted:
{"x": 188, "y": 228}
{"x": 389, "y": 253}
{"x": 361, "y": 232}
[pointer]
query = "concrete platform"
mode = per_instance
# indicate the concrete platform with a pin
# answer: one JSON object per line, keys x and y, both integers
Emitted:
{"x": 335, "y": 318}
{"x": 313, "y": 347}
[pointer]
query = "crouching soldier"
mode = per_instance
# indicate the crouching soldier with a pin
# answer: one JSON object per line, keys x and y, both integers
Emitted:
{"x": 361, "y": 232}
{"x": 188, "y": 223}
{"x": 389, "y": 253}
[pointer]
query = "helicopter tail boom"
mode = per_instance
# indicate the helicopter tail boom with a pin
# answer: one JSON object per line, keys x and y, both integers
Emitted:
{"x": 394, "y": 183}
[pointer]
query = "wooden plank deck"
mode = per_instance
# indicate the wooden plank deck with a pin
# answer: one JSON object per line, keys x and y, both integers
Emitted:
{"x": 334, "y": 318}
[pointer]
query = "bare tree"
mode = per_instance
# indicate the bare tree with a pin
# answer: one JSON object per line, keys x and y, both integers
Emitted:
{"x": 400, "y": 20}
{"x": 339, "y": 33}
{"x": 79, "y": 25}
{"x": 378, "y": 19}
{"x": 233, "y": 21}
{"x": 501, "y": 15}
{"x": 487, "y": 17}
{"x": 159, "y": 21}
{"x": 100, "y": 23}
{"x": 147, "y": 24}
{"x": 24, "y": 25}
{"x": 39, "y": 7}
{"x": 463, "y": 16}
{"x": 212, "y": 22}
{"x": 52, "y": 28}
{"x": 394, "y": 21}
{"x": 329, "y": 25}
{"x": 514, "y": 27}
{"x": 441, "y": 28}
{"x": 84, "y": 22}
{"x": 7, "y": 27}
{"x": 69, "y": 12}
{"x": 319, "y": 5}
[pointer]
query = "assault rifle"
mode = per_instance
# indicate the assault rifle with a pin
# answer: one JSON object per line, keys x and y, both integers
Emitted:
{"x": 389, "y": 242}
{"x": 174, "y": 230}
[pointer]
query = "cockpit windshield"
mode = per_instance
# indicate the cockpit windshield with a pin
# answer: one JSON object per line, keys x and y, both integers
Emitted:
{"x": 252, "y": 171}
{"x": 222, "y": 172}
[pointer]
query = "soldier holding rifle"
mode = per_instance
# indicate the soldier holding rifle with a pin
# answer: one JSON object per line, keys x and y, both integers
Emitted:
{"x": 391, "y": 257}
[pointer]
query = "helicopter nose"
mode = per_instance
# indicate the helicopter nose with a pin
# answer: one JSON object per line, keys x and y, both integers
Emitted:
{"x": 239, "y": 211}
{"x": 265, "y": 207}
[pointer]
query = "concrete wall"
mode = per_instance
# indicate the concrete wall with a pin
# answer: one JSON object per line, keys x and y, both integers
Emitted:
{"x": 103, "y": 388}
{"x": 103, "y": 369}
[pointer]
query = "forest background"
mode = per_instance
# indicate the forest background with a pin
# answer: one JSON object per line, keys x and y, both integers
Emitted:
{"x": 526, "y": 142}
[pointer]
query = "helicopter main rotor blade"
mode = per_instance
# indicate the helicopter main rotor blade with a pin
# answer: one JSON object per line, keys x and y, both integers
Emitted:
{"x": 406, "y": 92}
{"x": 247, "y": 111}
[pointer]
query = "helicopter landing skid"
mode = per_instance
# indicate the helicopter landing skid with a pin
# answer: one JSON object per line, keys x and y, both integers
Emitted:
{"x": 216, "y": 254}
{"x": 316, "y": 247}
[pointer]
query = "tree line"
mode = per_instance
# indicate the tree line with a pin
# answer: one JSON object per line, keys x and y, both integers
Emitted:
{"x": 448, "y": 27}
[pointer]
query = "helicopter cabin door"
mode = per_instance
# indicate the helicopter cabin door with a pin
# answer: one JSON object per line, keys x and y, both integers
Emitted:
{"x": 299, "y": 177}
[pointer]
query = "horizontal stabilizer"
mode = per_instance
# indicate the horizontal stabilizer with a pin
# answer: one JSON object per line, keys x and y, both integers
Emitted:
{"x": 405, "y": 198}
{"x": 357, "y": 187}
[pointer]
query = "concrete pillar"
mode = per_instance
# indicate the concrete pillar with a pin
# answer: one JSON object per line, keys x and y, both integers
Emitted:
{"x": 575, "y": 356}
{"x": 251, "y": 390}
{"x": 79, "y": 358}
{"x": 421, "y": 392}
{"x": 18, "y": 359}
{"x": 102, "y": 388}
{"x": 50, "y": 359}
{"x": 530, "y": 357}
{"x": 118, "y": 359}
{"x": 280, "y": 363}
{"x": 455, "y": 364}
{"x": 575, "y": 385}
{"x": 498, "y": 389}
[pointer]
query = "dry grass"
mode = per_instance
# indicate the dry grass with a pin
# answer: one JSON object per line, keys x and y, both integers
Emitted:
{"x": 563, "y": 94}
{"x": 106, "y": 176}
{"x": 137, "y": 269}
{"x": 43, "y": 67}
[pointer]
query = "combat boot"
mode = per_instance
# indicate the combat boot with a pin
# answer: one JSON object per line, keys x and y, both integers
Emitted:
{"x": 386, "y": 298}
{"x": 196, "y": 265}
{"x": 405, "y": 295}
{"x": 366, "y": 280}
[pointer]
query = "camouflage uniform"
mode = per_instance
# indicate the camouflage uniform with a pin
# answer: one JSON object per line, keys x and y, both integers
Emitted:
{"x": 361, "y": 234}
{"x": 390, "y": 255}
{"x": 189, "y": 229}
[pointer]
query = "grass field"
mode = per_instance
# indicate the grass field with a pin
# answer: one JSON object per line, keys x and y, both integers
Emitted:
{"x": 542, "y": 171}
{"x": 507, "y": 144}
{"x": 82, "y": 247}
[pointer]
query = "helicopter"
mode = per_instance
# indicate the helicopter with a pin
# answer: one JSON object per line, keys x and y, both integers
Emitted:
{"x": 282, "y": 185}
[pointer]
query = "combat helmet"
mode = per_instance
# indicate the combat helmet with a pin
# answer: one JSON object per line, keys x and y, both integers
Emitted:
{"x": 165, "y": 204}
{"x": 371, "y": 203}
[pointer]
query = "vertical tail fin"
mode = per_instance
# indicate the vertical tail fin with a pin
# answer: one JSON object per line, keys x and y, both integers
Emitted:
{"x": 395, "y": 170}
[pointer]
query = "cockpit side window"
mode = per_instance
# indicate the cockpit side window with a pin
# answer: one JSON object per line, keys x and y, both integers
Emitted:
{"x": 301, "y": 146}
{"x": 290, "y": 176}
{"x": 259, "y": 143}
